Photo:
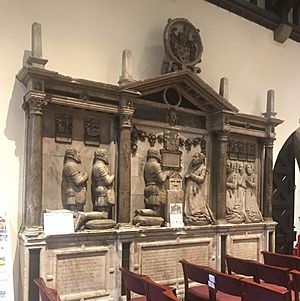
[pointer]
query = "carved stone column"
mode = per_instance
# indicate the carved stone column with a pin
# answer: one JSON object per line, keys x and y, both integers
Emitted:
{"x": 221, "y": 162}
{"x": 268, "y": 179}
{"x": 34, "y": 102}
{"x": 124, "y": 178}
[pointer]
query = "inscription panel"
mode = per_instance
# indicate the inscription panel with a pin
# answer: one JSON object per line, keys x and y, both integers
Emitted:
{"x": 161, "y": 262}
{"x": 81, "y": 272}
{"x": 246, "y": 248}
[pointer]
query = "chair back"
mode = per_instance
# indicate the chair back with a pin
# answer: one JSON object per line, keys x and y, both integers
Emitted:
{"x": 274, "y": 275}
{"x": 195, "y": 272}
{"x": 228, "y": 284}
{"x": 47, "y": 293}
{"x": 154, "y": 290}
{"x": 254, "y": 291}
{"x": 133, "y": 283}
{"x": 281, "y": 260}
{"x": 240, "y": 266}
{"x": 296, "y": 283}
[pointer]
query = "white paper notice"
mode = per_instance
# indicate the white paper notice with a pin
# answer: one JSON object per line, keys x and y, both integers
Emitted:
{"x": 176, "y": 220}
{"x": 58, "y": 223}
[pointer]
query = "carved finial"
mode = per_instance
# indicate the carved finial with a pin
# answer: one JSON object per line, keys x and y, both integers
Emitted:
{"x": 270, "y": 105}
{"x": 35, "y": 59}
{"x": 126, "y": 76}
{"x": 224, "y": 87}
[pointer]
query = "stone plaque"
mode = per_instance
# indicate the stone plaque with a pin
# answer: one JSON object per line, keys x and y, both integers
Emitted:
{"x": 81, "y": 272}
{"x": 63, "y": 128}
{"x": 246, "y": 248}
{"x": 171, "y": 160}
{"x": 91, "y": 132}
{"x": 161, "y": 262}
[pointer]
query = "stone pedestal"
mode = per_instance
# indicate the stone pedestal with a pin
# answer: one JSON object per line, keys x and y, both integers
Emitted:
{"x": 86, "y": 265}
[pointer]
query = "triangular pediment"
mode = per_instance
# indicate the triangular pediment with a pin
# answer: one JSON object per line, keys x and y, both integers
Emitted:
{"x": 194, "y": 93}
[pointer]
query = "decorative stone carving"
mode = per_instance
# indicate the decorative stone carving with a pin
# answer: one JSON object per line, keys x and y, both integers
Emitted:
{"x": 102, "y": 183}
{"x": 167, "y": 138}
{"x": 126, "y": 114}
{"x": 63, "y": 128}
{"x": 234, "y": 207}
{"x": 154, "y": 192}
{"x": 196, "y": 209}
{"x": 172, "y": 117}
{"x": 183, "y": 46}
{"x": 242, "y": 151}
{"x": 91, "y": 132}
{"x": 74, "y": 181}
{"x": 251, "y": 206}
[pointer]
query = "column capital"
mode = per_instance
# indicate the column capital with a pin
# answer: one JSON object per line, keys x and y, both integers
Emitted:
{"x": 34, "y": 102}
{"x": 222, "y": 135}
{"x": 269, "y": 142}
{"x": 126, "y": 112}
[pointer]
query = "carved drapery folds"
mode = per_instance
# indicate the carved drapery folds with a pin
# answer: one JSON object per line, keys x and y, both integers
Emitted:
{"x": 196, "y": 208}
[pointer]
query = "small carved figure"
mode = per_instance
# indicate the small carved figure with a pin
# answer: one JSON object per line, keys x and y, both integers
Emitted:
{"x": 102, "y": 183}
{"x": 154, "y": 192}
{"x": 196, "y": 208}
{"x": 75, "y": 179}
{"x": 251, "y": 205}
{"x": 235, "y": 212}
{"x": 172, "y": 117}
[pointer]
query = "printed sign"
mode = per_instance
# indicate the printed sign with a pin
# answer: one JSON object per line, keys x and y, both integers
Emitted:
{"x": 176, "y": 220}
{"x": 6, "y": 282}
{"x": 58, "y": 223}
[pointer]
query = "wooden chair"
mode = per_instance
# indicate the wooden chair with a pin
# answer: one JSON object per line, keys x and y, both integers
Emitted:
{"x": 243, "y": 267}
{"x": 170, "y": 296}
{"x": 296, "y": 283}
{"x": 47, "y": 293}
{"x": 282, "y": 260}
{"x": 134, "y": 283}
{"x": 227, "y": 287}
{"x": 274, "y": 277}
{"x": 256, "y": 292}
{"x": 154, "y": 290}
{"x": 198, "y": 274}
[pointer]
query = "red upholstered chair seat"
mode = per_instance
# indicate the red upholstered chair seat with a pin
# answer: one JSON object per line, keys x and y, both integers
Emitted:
{"x": 220, "y": 296}
{"x": 198, "y": 293}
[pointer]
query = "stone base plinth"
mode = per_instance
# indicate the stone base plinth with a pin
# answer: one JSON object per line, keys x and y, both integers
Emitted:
{"x": 85, "y": 265}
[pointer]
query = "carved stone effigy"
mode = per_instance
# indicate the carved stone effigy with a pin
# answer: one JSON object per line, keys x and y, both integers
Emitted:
{"x": 102, "y": 183}
{"x": 234, "y": 207}
{"x": 154, "y": 192}
{"x": 196, "y": 209}
{"x": 251, "y": 205}
{"x": 74, "y": 181}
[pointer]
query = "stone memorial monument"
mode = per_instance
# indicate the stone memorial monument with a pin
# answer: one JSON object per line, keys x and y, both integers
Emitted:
{"x": 123, "y": 156}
